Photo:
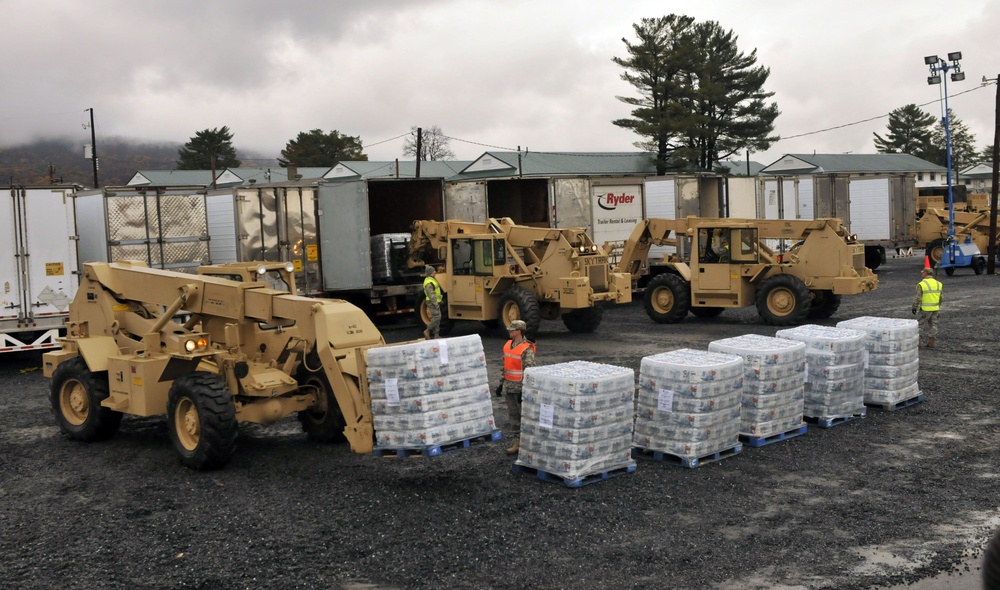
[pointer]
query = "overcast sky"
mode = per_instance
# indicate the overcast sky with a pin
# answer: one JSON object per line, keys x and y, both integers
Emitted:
{"x": 534, "y": 74}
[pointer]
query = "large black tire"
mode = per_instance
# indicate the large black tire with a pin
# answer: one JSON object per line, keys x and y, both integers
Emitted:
{"x": 824, "y": 305}
{"x": 979, "y": 265}
{"x": 935, "y": 251}
{"x": 424, "y": 316}
{"x": 783, "y": 300}
{"x": 201, "y": 420}
{"x": 76, "y": 394}
{"x": 991, "y": 563}
{"x": 517, "y": 303}
{"x": 706, "y": 312}
{"x": 667, "y": 298}
{"x": 874, "y": 256}
{"x": 949, "y": 271}
{"x": 324, "y": 422}
{"x": 583, "y": 321}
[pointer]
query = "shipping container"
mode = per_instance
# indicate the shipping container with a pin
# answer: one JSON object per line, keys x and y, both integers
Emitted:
{"x": 163, "y": 227}
{"x": 39, "y": 267}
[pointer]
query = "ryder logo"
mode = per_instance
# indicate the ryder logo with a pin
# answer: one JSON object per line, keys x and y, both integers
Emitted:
{"x": 610, "y": 201}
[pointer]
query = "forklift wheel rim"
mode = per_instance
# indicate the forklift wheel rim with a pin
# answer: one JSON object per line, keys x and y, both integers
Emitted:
{"x": 74, "y": 402}
{"x": 187, "y": 423}
{"x": 781, "y": 302}
{"x": 663, "y": 299}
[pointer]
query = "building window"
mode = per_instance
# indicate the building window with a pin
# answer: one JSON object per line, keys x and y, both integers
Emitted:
{"x": 920, "y": 175}
{"x": 932, "y": 177}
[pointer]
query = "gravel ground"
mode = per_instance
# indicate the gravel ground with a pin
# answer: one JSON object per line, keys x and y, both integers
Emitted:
{"x": 888, "y": 499}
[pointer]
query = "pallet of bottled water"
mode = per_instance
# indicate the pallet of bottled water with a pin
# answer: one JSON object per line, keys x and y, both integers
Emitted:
{"x": 688, "y": 405}
{"x": 576, "y": 421}
{"x": 430, "y": 393}
{"x": 386, "y": 252}
{"x": 773, "y": 378}
{"x": 835, "y": 370}
{"x": 891, "y": 359}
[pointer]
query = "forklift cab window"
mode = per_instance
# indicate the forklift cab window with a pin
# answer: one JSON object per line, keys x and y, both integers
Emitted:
{"x": 461, "y": 256}
{"x": 486, "y": 254}
{"x": 713, "y": 245}
{"x": 745, "y": 250}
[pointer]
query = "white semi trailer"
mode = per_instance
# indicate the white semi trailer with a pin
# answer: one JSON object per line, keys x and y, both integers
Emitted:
{"x": 39, "y": 267}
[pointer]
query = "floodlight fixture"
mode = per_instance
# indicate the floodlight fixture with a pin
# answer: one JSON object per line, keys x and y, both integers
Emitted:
{"x": 955, "y": 55}
{"x": 932, "y": 80}
{"x": 931, "y": 60}
{"x": 958, "y": 76}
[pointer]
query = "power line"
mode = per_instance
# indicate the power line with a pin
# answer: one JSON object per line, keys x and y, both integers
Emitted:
{"x": 875, "y": 118}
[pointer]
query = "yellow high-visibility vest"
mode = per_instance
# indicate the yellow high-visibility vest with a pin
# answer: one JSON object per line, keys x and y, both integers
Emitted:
{"x": 437, "y": 288}
{"x": 930, "y": 298}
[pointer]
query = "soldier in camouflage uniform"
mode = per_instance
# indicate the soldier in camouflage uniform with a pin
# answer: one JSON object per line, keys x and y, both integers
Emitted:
{"x": 518, "y": 355}
{"x": 432, "y": 292}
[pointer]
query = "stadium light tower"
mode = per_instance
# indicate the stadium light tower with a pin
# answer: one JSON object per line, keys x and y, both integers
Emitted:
{"x": 939, "y": 71}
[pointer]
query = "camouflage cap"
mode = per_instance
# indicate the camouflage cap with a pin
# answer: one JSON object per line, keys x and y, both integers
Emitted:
{"x": 517, "y": 325}
{"x": 429, "y": 270}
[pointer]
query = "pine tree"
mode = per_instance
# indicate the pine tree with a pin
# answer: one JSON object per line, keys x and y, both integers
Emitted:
{"x": 909, "y": 132}
{"x": 654, "y": 68}
{"x": 963, "y": 144}
{"x": 316, "y": 148}
{"x": 700, "y": 98}
{"x": 209, "y": 149}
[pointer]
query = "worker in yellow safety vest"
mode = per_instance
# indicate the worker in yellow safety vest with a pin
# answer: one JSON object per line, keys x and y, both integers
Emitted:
{"x": 927, "y": 301}
{"x": 432, "y": 292}
{"x": 518, "y": 355}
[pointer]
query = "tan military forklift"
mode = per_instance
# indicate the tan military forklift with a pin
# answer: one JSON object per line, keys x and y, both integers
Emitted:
{"x": 497, "y": 272}
{"x": 210, "y": 353}
{"x": 790, "y": 269}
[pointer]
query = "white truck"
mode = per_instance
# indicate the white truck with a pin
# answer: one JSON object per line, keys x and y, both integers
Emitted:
{"x": 39, "y": 267}
{"x": 880, "y": 209}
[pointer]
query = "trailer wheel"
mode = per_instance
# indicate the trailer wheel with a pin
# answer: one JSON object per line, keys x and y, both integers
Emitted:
{"x": 201, "y": 420}
{"x": 583, "y": 321}
{"x": 517, "y": 303}
{"x": 935, "y": 251}
{"x": 783, "y": 300}
{"x": 874, "y": 256}
{"x": 979, "y": 265}
{"x": 706, "y": 312}
{"x": 949, "y": 271}
{"x": 76, "y": 394}
{"x": 667, "y": 298}
{"x": 824, "y": 305}
{"x": 324, "y": 422}
{"x": 424, "y": 316}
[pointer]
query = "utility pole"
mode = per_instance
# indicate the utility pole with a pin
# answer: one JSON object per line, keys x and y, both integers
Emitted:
{"x": 93, "y": 146}
{"x": 420, "y": 135}
{"x": 991, "y": 250}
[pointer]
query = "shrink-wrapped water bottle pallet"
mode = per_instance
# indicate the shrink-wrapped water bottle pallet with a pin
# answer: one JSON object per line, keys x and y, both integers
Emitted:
{"x": 831, "y": 421}
{"x": 572, "y": 482}
{"x": 896, "y": 405}
{"x": 688, "y": 462}
{"x": 435, "y": 450}
{"x": 760, "y": 441}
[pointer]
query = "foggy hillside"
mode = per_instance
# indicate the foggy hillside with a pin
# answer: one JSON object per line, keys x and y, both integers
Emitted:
{"x": 61, "y": 161}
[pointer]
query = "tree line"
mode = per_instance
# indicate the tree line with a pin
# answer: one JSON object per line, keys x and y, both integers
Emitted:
{"x": 912, "y": 130}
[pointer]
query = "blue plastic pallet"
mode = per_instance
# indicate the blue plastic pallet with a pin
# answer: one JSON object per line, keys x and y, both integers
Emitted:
{"x": 759, "y": 441}
{"x": 893, "y": 406}
{"x": 689, "y": 462}
{"x": 435, "y": 450}
{"x": 571, "y": 482}
{"x": 831, "y": 422}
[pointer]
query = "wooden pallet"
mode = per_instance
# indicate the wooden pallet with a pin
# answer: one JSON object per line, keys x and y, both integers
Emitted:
{"x": 572, "y": 482}
{"x": 689, "y": 462}
{"x": 897, "y": 405}
{"x": 435, "y": 450}
{"x": 831, "y": 422}
{"x": 759, "y": 441}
